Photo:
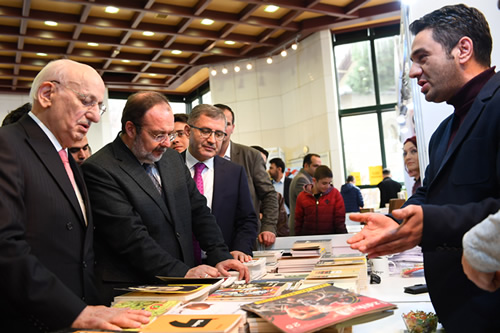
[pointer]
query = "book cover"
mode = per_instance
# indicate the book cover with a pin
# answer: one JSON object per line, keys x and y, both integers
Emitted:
{"x": 313, "y": 308}
{"x": 157, "y": 308}
{"x": 208, "y": 307}
{"x": 213, "y": 323}
{"x": 170, "y": 288}
{"x": 248, "y": 291}
{"x": 165, "y": 292}
{"x": 333, "y": 273}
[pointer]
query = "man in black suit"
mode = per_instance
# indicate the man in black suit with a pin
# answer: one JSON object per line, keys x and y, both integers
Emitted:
{"x": 451, "y": 62}
{"x": 280, "y": 182}
{"x": 146, "y": 206}
{"x": 389, "y": 188}
{"x": 224, "y": 182}
{"x": 46, "y": 229}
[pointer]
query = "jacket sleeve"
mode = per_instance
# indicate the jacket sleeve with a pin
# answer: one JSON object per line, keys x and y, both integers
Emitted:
{"x": 299, "y": 214}
{"x": 481, "y": 244}
{"x": 361, "y": 203}
{"x": 266, "y": 193}
{"x": 339, "y": 214}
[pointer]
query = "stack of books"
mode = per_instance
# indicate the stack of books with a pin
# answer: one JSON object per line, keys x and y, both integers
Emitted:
{"x": 256, "y": 268}
{"x": 271, "y": 257}
{"x": 347, "y": 271}
{"x": 325, "y": 244}
{"x": 297, "y": 264}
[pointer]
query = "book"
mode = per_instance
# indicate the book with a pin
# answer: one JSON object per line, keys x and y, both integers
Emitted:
{"x": 314, "y": 308}
{"x": 333, "y": 273}
{"x": 215, "y": 282}
{"x": 326, "y": 244}
{"x": 271, "y": 256}
{"x": 211, "y": 323}
{"x": 248, "y": 292}
{"x": 157, "y": 308}
{"x": 165, "y": 293}
{"x": 210, "y": 307}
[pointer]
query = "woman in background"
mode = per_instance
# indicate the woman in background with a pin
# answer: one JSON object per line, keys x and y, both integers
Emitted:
{"x": 410, "y": 155}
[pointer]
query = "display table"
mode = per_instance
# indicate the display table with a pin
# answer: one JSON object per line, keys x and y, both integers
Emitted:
{"x": 392, "y": 290}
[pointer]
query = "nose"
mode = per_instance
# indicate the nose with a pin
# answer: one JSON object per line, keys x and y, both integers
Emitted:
{"x": 93, "y": 114}
{"x": 166, "y": 143}
{"x": 415, "y": 70}
{"x": 211, "y": 137}
{"x": 81, "y": 154}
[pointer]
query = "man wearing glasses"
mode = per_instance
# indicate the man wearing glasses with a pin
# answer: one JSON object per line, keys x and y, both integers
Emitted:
{"x": 80, "y": 150}
{"x": 46, "y": 229}
{"x": 146, "y": 206}
{"x": 222, "y": 182}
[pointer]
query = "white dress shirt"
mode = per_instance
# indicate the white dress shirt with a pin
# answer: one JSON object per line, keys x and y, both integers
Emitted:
{"x": 207, "y": 175}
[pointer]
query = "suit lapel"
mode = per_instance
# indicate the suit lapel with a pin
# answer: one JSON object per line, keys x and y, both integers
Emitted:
{"x": 218, "y": 181}
{"x": 130, "y": 165}
{"x": 45, "y": 151}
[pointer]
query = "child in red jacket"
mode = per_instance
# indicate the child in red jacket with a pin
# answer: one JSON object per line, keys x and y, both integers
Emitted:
{"x": 320, "y": 208}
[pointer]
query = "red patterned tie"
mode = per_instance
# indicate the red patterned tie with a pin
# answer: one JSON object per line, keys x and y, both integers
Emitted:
{"x": 198, "y": 169}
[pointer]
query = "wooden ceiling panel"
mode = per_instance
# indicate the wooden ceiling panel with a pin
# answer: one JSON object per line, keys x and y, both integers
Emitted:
{"x": 128, "y": 60}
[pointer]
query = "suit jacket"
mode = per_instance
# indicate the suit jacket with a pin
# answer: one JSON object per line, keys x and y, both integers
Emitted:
{"x": 261, "y": 189}
{"x": 140, "y": 234}
{"x": 296, "y": 186}
{"x": 286, "y": 191}
{"x": 232, "y": 206}
{"x": 460, "y": 189}
{"x": 388, "y": 190}
{"x": 46, "y": 255}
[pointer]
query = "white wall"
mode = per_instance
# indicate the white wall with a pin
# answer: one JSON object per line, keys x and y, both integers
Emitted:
{"x": 288, "y": 104}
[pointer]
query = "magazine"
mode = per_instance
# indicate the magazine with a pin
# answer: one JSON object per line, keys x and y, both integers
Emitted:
{"x": 248, "y": 292}
{"x": 314, "y": 308}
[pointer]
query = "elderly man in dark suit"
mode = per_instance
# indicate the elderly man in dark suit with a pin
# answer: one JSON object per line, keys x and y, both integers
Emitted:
{"x": 147, "y": 206}
{"x": 264, "y": 196}
{"x": 46, "y": 229}
{"x": 223, "y": 182}
{"x": 462, "y": 181}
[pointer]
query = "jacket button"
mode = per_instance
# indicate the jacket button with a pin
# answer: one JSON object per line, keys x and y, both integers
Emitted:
{"x": 69, "y": 226}
{"x": 178, "y": 235}
{"x": 84, "y": 264}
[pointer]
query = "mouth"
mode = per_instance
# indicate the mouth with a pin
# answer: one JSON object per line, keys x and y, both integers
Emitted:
{"x": 425, "y": 86}
{"x": 84, "y": 127}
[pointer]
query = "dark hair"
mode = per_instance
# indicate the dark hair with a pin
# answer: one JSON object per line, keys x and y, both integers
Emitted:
{"x": 138, "y": 104}
{"x": 225, "y": 107}
{"x": 279, "y": 163}
{"x": 207, "y": 110}
{"x": 386, "y": 172}
{"x": 350, "y": 178}
{"x": 450, "y": 23}
{"x": 323, "y": 172}
{"x": 262, "y": 150}
{"x": 308, "y": 159}
{"x": 16, "y": 114}
{"x": 413, "y": 140}
{"x": 180, "y": 118}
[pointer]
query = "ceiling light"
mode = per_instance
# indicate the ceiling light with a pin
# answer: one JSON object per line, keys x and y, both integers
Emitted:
{"x": 283, "y": 53}
{"x": 249, "y": 66}
{"x": 176, "y": 51}
{"x": 152, "y": 74}
{"x": 224, "y": 70}
{"x": 236, "y": 68}
{"x": 111, "y": 10}
{"x": 269, "y": 60}
{"x": 51, "y": 23}
{"x": 229, "y": 42}
{"x": 295, "y": 46}
{"x": 125, "y": 60}
{"x": 213, "y": 72}
{"x": 271, "y": 8}
{"x": 207, "y": 21}
{"x": 41, "y": 54}
{"x": 115, "y": 52}
{"x": 93, "y": 44}
{"x": 148, "y": 33}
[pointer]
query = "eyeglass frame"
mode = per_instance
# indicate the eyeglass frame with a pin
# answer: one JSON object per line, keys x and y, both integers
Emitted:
{"x": 83, "y": 97}
{"x": 204, "y": 133}
{"x": 171, "y": 137}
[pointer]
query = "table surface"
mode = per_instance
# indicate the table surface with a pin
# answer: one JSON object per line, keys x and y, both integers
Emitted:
{"x": 392, "y": 290}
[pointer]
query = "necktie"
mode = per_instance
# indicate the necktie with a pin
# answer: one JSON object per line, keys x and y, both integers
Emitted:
{"x": 64, "y": 158}
{"x": 198, "y": 169}
{"x": 151, "y": 173}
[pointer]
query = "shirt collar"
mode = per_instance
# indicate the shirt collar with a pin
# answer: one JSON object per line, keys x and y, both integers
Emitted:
{"x": 191, "y": 161}
{"x": 47, "y": 132}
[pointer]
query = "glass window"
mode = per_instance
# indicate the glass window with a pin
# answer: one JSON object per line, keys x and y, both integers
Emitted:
{"x": 207, "y": 98}
{"x": 195, "y": 102}
{"x": 178, "y": 107}
{"x": 393, "y": 146}
{"x": 387, "y": 68}
{"x": 354, "y": 75}
{"x": 361, "y": 145}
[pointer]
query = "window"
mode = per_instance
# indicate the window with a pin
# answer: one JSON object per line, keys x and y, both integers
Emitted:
{"x": 367, "y": 71}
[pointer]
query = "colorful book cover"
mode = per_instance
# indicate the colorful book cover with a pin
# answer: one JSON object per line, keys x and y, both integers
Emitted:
{"x": 333, "y": 273}
{"x": 156, "y": 308}
{"x": 170, "y": 288}
{"x": 214, "y": 323}
{"x": 245, "y": 291}
{"x": 313, "y": 308}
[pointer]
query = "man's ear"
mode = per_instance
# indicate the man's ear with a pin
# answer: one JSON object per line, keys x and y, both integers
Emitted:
{"x": 130, "y": 129}
{"x": 187, "y": 130}
{"x": 44, "y": 94}
{"x": 465, "y": 48}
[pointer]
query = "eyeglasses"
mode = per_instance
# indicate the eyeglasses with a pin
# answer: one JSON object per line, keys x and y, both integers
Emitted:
{"x": 207, "y": 132}
{"x": 160, "y": 138}
{"x": 87, "y": 100}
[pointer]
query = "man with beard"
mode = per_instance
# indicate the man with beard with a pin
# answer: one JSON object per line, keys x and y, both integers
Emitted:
{"x": 451, "y": 56}
{"x": 146, "y": 206}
